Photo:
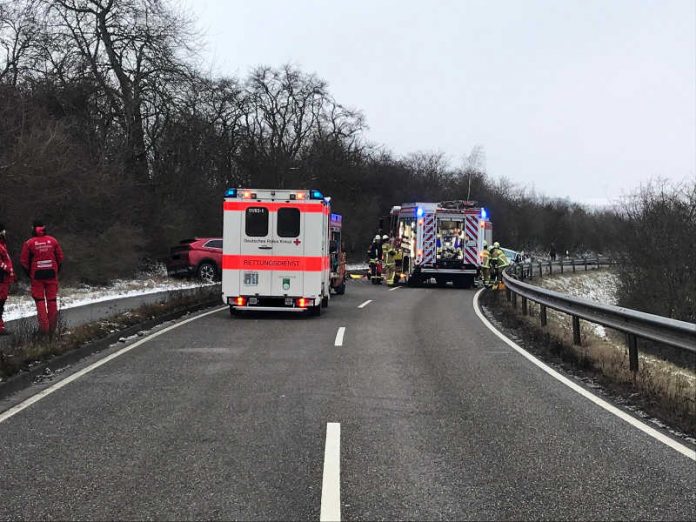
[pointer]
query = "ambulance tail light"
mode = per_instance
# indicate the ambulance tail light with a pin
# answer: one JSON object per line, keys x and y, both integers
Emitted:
{"x": 315, "y": 194}
{"x": 239, "y": 301}
{"x": 231, "y": 193}
{"x": 302, "y": 302}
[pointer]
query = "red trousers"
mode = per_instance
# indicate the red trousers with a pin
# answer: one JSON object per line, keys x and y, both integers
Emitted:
{"x": 45, "y": 293}
{"x": 4, "y": 292}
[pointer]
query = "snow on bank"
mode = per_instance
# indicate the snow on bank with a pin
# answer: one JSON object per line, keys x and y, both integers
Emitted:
{"x": 18, "y": 306}
{"x": 597, "y": 285}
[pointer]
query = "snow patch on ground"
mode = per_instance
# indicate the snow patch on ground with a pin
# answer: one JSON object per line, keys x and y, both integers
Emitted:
{"x": 22, "y": 305}
{"x": 598, "y": 285}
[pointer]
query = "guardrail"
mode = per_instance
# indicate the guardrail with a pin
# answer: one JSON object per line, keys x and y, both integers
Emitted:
{"x": 530, "y": 269}
{"x": 635, "y": 324}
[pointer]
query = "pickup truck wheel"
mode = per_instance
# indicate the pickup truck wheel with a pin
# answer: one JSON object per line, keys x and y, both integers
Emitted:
{"x": 207, "y": 272}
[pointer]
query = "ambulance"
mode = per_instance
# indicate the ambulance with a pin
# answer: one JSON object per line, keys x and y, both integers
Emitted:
{"x": 275, "y": 250}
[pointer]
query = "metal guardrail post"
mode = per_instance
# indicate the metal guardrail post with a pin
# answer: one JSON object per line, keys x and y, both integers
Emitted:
{"x": 632, "y": 352}
{"x": 542, "y": 315}
{"x": 561, "y": 266}
{"x": 525, "y": 310}
{"x": 585, "y": 259}
{"x": 572, "y": 262}
{"x": 576, "y": 330}
{"x": 550, "y": 267}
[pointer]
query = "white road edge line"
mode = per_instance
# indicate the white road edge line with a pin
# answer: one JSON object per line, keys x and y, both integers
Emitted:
{"x": 339, "y": 336}
{"x": 365, "y": 303}
{"x": 652, "y": 432}
{"x": 331, "y": 481}
{"x": 395, "y": 288}
{"x": 57, "y": 386}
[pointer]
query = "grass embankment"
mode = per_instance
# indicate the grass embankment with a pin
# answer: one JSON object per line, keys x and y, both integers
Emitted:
{"x": 27, "y": 346}
{"x": 661, "y": 388}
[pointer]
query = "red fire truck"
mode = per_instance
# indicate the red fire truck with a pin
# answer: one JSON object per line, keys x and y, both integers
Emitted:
{"x": 439, "y": 241}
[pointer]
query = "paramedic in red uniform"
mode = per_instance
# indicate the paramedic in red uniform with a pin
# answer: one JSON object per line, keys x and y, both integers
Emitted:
{"x": 7, "y": 276}
{"x": 42, "y": 258}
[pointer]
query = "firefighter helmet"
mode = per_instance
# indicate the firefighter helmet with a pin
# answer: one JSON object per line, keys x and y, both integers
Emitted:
{"x": 377, "y": 238}
{"x": 496, "y": 245}
{"x": 385, "y": 237}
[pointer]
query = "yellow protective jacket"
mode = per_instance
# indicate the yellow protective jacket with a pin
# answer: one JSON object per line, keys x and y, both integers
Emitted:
{"x": 485, "y": 258}
{"x": 499, "y": 256}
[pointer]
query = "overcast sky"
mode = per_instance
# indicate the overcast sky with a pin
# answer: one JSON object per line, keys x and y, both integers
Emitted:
{"x": 579, "y": 98}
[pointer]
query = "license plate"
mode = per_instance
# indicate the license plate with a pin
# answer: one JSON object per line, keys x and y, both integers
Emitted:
{"x": 251, "y": 278}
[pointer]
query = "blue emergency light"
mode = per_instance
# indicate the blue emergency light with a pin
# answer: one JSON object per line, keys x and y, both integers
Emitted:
{"x": 315, "y": 194}
{"x": 231, "y": 193}
{"x": 484, "y": 214}
{"x": 419, "y": 212}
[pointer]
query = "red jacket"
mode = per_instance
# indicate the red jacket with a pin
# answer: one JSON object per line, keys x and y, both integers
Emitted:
{"x": 42, "y": 256}
{"x": 7, "y": 274}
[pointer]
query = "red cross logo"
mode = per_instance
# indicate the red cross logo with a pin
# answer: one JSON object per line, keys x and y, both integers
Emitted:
{"x": 297, "y": 242}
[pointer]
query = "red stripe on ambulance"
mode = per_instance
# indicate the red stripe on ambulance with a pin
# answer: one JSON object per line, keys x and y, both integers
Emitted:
{"x": 240, "y": 206}
{"x": 280, "y": 263}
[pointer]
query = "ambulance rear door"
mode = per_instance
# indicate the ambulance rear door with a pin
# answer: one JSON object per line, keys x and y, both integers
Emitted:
{"x": 256, "y": 249}
{"x": 289, "y": 250}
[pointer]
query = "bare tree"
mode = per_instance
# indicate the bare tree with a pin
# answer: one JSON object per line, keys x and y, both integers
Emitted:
{"x": 133, "y": 50}
{"x": 20, "y": 31}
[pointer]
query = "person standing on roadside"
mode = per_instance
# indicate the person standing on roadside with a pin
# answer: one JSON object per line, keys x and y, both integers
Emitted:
{"x": 7, "y": 275}
{"x": 42, "y": 259}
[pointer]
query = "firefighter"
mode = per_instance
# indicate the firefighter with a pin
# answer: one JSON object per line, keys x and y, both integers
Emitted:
{"x": 374, "y": 256}
{"x": 7, "y": 275}
{"x": 42, "y": 259}
{"x": 485, "y": 264}
{"x": 374, "y": 253}
{"x": 389, "y": 254}
{"x": 498, "y": 261}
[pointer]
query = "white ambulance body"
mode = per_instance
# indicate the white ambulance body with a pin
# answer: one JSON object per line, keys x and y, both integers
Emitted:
{"x": 276, "y": 250}
{"x": 440, "y": 241}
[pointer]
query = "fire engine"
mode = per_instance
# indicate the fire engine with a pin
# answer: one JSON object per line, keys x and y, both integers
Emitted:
{"x": 440, "y": 241}
{"x": 276, "y": 250}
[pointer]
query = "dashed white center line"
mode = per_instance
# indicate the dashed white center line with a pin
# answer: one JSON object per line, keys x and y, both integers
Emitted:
{"x": 395, "y": 288}
{"x": 365, "y": 303}
{"x": 339, "y": 336}
{"x": 331, "y": 482}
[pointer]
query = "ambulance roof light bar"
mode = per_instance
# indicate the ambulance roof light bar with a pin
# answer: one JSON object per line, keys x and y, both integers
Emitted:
{"x": 484, "y": 213}
{"x": 231, "y": 193}
{"x": 315, "y": 194}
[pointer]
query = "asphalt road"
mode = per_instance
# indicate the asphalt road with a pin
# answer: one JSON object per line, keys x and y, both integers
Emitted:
{"x": 225, "y": 418}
